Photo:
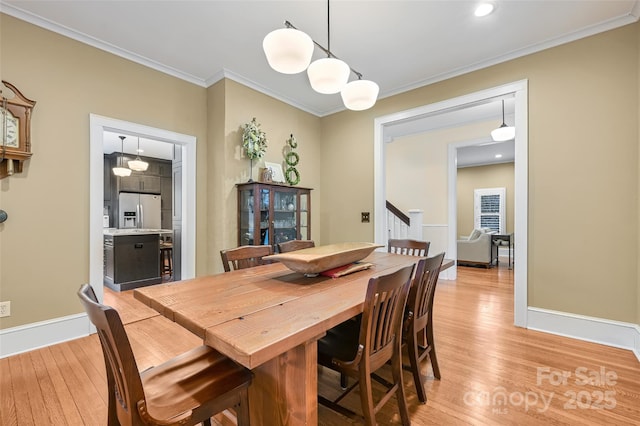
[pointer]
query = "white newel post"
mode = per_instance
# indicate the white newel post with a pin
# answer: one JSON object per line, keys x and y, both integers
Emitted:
{"x": 415, "y": 228}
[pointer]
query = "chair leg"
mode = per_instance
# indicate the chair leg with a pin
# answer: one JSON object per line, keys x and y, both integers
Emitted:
{"x": 206, "y": 422}
{"x": 432, "y": 353}
{"x": 366, "y": 399}
{"x": 344, "y": 381}
{"x": 396, "y": 364}
{"x": 242, "y": 410}
{"x": 414, "y": 358}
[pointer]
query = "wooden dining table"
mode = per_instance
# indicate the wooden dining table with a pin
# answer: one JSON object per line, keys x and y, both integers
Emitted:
{"x": 269, "y": 319}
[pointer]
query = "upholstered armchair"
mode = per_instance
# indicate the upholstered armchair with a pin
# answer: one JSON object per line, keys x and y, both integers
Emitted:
{"x": 476, "y": 249}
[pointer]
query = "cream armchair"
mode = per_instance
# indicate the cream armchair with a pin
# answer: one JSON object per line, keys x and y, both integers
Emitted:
{"x": 476, "y": 249}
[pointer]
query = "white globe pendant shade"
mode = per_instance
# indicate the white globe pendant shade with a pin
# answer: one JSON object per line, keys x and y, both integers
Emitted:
{"x": 288, "y": 50}
{"x": 121, "y": 171}
{"x": 328, "y": 75}
{"x": 360, "y": 94}
{"x": 138, "y": 165}
{"x": 503, "y": 133}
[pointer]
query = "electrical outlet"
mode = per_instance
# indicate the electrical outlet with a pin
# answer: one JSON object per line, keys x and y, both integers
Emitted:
{"x": 5, "y": 309}
{"x": 364, "y": 217}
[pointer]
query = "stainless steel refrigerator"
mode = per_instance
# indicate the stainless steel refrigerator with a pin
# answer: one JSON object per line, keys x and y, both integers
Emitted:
{"x": 140, "y": 211}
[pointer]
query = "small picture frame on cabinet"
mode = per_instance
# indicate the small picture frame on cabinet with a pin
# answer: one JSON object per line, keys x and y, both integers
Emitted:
{"x": 277, "y": 175}
{"x": 266, "y": 175}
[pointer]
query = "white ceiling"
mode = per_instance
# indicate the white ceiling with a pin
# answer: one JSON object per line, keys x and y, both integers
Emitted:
{"x": 400, "y": 44}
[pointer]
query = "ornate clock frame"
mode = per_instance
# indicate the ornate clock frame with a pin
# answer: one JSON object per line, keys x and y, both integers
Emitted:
{"x": 13, "y": 152}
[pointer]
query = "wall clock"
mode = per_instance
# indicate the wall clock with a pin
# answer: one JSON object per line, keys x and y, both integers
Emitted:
{"x": 15, "y": 130}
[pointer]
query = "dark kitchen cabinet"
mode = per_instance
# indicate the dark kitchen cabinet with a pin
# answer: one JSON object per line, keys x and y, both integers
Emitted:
{"x": 131, "y": 261}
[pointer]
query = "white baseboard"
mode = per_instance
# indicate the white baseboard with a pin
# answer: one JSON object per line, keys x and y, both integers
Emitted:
{"x": 44, "y": 333}
{"x": 606, "y": 332}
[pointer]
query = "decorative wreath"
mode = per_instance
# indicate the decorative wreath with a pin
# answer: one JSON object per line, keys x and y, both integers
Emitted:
{"x": 292, "y": 158}
{"x": 292, "y": 142}
{"x": 295, "y": 179}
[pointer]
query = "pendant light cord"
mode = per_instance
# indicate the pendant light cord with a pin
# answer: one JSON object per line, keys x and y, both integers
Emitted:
{"x": 328, "y": 29}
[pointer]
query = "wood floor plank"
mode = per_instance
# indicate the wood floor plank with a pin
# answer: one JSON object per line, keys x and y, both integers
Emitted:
{"x": 86, "y": 397}
{"x": 65, "y": 396}
{"x": 21, "y": 383}
{"x": 52, "y": 409}
{"x": 7, "y": 399}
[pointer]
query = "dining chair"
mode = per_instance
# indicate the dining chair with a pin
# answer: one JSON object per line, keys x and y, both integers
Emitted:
{"x": 185, "y": 390}
{"x": 294, "y": 245}
{"x": 359, "y": 347}
{"x": 418, "y": 321}
{"x": 244, "y": 257}
{"x": 408, "y": 247}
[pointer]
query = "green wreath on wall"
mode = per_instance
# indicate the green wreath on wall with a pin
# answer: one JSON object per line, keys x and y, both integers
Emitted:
{"x": 292, "y": 159}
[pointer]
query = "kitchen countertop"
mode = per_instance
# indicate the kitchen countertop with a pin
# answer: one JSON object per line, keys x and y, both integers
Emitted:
{"x": 134, "y": 231}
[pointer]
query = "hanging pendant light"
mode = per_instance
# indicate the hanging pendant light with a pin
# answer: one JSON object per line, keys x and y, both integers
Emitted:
{"x": 138, "y": 165}
{"x": 328, "y": 75}
{"x": 504, "y": 132}
{"x": 359, "y": 95}
{"x": 288, "y": 50}
{"x": 119, "y": 170}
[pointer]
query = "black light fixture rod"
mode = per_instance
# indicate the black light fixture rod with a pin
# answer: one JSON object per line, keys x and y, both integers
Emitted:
{"x": 325, "y": 50}
{"x": 122, "y": 150}
{"x": 328, "y": 28}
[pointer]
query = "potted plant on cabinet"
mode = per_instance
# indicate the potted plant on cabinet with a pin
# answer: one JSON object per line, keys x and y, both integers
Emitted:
{"x": 254, "y": 142}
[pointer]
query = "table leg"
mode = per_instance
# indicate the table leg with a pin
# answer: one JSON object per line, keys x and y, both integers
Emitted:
{"x": 285, "y": 389}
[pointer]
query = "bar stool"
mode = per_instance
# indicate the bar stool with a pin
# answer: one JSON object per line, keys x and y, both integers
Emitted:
{"x": 166, "y": 259}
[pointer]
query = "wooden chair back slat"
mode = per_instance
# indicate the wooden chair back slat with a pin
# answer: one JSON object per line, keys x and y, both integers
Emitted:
{"x": 244, "y": 257}
{"x": 409, "y": 247}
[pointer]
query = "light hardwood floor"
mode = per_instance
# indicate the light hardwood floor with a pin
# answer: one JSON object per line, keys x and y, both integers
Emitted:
{"x": 492, "y": 372}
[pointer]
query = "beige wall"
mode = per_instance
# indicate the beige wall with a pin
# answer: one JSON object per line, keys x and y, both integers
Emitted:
{"x": 583, "y": 147}
{"x": 44, "y": 244}
{"x": 278, "y": 120}
{"x": 491, "y": 176}
{"x": 417, "y": 167}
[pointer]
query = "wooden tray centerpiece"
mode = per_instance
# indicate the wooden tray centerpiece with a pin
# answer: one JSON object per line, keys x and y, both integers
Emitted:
{"x": 312, "y": 261}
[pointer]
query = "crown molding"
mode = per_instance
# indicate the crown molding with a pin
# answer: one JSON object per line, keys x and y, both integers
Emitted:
{"x": 98, "y": 44}
{"x": 611, "y": 24}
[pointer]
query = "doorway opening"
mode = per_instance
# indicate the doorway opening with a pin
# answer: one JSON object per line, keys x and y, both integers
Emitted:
{"x": 383, "y": 131}
{"x": 186, "y": 144}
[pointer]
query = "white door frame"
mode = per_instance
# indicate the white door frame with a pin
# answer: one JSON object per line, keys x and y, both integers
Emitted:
{"x": 97, "y": 126}
{"x": 519, "y": 90}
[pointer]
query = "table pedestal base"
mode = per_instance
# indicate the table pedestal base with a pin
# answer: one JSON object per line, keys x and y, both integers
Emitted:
{"x": 284, "y": 390}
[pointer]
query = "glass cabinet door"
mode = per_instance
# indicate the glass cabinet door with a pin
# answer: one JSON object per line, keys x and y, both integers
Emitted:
{"x": 264, "y": 217}
{"x": 246, "y": 217}
{"x": 304, "y": 216}
{"x": 285, "y": 227}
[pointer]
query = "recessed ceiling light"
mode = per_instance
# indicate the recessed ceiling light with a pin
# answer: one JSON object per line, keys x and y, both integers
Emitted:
{"x": 498, "y": 155}
{"x": 484, "y": 9}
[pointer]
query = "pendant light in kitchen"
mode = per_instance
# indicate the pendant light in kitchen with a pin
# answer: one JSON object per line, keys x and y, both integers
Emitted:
{"x": 138, "y": 165}
{"x": 119, "y": 170}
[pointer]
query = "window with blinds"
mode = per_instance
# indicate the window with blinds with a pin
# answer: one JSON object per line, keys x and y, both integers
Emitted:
{"x": 489, "y": 209}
